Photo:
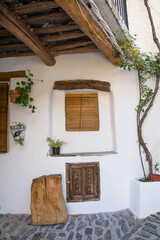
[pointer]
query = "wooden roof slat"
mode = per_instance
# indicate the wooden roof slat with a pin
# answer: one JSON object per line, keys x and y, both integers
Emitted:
{"x": 46, "y": 17}
{"x": 34, "y": 7}
{"x": 64, "y": 36}
{"x": 13, "y": 46}
{"x": 69, "y": 45}
{"x": 77, "y": 50}
{"x": 55, "y": 29}
{"x": 4, "y": 32}
{"x": 18, "y": 29}
{"x": 16, "y": 54}
{"x": 83, "y": 19}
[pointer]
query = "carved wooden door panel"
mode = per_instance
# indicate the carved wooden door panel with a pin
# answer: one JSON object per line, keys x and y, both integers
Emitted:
{"x": 83, "y": 182}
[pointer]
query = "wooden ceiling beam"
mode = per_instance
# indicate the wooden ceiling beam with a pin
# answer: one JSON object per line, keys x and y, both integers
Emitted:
{"x": 34, "y": 7}
{"x": 9, "y": 21}
{"x": 83, "y": 19}
{"x": 46, "y": 17}
{"x": 15, "y": 74}
{"x": 55, "y": 29}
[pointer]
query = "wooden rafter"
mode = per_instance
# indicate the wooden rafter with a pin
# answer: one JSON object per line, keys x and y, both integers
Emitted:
{"x": 85, "y": 22}
{"x": 9, "y": 21}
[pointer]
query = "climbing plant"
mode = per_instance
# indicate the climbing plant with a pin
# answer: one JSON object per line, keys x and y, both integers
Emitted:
{"x": 148, "y": 67}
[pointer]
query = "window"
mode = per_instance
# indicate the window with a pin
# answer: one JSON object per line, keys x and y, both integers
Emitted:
{"x": 3, "y": 116}
{"x": 82, "y": 112}
{"x": 83, "y": 183}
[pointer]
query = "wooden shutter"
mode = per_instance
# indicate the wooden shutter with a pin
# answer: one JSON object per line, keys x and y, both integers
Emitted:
{"x": 3, "y": 116}
{"x": 82, "y": 112}
{"x": 83, "y": 182}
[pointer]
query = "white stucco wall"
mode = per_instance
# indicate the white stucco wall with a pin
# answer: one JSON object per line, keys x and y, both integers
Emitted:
{"x": 21, "y": 164}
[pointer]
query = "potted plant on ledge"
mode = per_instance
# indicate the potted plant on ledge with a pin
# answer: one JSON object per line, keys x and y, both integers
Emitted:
{"x": 155, "y": 176}
{"x": 55, "y": 145}
{"x": 21, "y": 94}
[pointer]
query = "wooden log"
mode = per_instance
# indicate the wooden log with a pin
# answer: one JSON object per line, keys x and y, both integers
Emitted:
{"x": 18, "y": 29}
{"x": 81, "y": 16}
{"x": 47, "y": 17}
{"x": 82, "y": 84}
{"x": 34, "y": 7}
{"x": 15, "y": 74}
{"x": 76, "y": 50}
{"x": 64, "y": 36}
{"x": 55, "y": 29}
{"x": 47, "y": 202}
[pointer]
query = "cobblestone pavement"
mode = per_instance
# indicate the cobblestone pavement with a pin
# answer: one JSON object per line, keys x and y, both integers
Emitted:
{"x": 101, "y": 226}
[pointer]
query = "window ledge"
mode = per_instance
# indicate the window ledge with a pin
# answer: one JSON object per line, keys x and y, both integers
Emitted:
{"x": 83, "y": 154}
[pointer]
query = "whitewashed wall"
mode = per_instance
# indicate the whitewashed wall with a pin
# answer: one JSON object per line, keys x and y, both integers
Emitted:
{"x": 21, "y": 164}
{"x": 139, "y": 24}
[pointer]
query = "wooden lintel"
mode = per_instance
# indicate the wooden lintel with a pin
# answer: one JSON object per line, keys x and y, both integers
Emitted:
{"x": 9, "y": 21}
{"x": 5, "y": 80}
{"x": 4, "y": 76}
{"x": 82, "y": 84}
{"x": 83, "y": 19}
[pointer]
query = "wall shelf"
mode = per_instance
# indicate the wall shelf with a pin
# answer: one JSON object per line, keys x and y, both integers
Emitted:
{"x": 83, "y": 154}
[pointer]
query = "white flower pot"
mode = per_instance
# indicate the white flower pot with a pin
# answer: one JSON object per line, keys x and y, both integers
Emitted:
{"x": 144, "y": 198}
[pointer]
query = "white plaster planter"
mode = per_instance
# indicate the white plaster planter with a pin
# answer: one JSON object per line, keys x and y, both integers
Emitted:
{"x": 144, "y": 198}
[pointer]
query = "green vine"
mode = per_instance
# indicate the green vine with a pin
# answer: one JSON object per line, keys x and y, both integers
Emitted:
{"x": 24, "y": 87}
{"x": 148, "y": 67}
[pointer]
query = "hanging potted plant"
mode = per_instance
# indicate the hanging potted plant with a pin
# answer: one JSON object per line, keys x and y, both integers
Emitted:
{"x": 55, "y": 145}
{"x": 21, "y": 94}
{"x": 18, "y": 132}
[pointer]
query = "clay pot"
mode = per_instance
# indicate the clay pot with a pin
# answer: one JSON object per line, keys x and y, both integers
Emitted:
{"x": 13, "y": 95}
{"x": 155, "y": 177}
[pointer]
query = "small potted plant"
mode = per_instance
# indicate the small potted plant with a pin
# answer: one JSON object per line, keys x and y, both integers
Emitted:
{"x": 155, "y": 176}
{"x": 18, "y": 132}
{"x": 21, "y": 94}
{"x": 55, "y": 145}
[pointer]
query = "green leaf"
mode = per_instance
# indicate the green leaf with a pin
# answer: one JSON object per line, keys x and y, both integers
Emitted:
{"x": 31, "y": 99}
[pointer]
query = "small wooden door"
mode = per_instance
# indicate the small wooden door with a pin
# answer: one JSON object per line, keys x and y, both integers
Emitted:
{"x": 83, "y": 181}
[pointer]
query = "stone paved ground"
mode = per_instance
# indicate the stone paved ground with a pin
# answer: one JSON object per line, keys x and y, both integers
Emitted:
{"x": 101, "y": 226}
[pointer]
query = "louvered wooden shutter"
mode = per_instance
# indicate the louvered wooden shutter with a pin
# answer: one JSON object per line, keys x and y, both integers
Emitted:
{"x": 82, "y": 112}
{"x": 3, "y": 116}
{"x": 83, "y": 182}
